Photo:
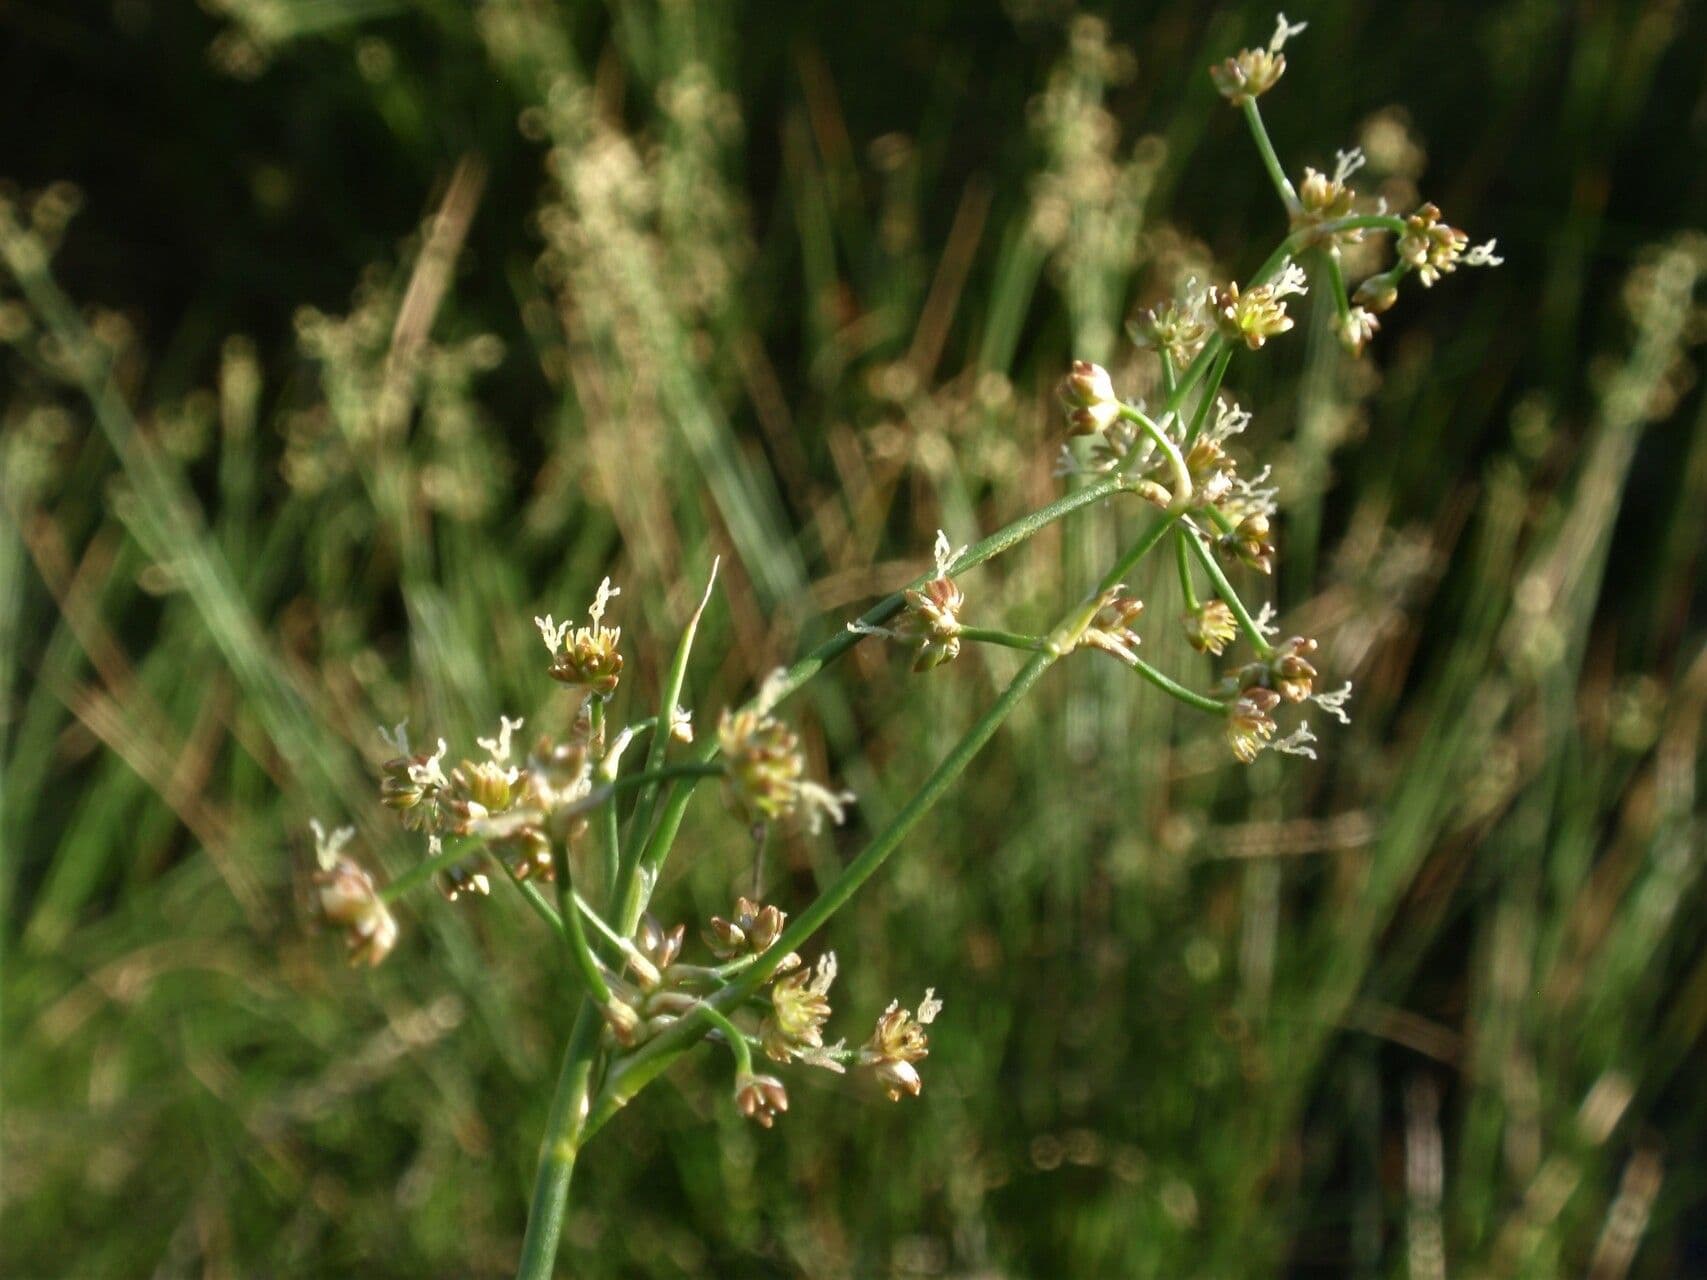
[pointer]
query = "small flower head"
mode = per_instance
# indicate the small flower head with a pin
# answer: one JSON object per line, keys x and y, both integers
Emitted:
{"x": 1325, "y": 197}
{"x": 1088, "y": 394}
{"x": 762, "y": 763}
{"x": 899, "y": 1041}
{"x": 800, "y": 1005}
{"x": 1430, "y": 247}
{"x": 1250, "y": 73}
{"x": 1113, "y": 627}
{"x": 1249, "y": 544}
{"x": 1211, "y": 627}
{"x": 1358, "y": 327}
{"x": 933, "y": 612}
{"x": 660, "y": 946}
{"x": 1173, "y": 327}
{"x": 413, "y": 783}
{"x": 585, "y": 657}
{"x": 1255, "y": 316}
{"x": 1249, "y": 724}
{"x": 1290, "y": 673}
{"x": 751, "y": 931}
{"x": 760, "y": 1098}
{"x": 347, "y": 898}
{"x": 479, "y": 788}
{"x": 763, "y": 768}
{"x": 1211, "y": 470}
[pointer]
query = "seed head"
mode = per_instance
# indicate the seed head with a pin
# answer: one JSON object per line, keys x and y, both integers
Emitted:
{"x": 413, "y": 783}
{"x": 1290, "y": 672}
{"x": 1174, "y": 327}
{"x": 1211, "y": 470}
{"x": 760, "y": 1098}
{"x": 481, "y": 788}
{"x": 751, "y": 931}
{"x": 1113, "y": 627}
{"x": 1249, "y": 544}
{"x": 458, "y": 881}
{"x": 659, "y": 945}
{"x": 933, "y": 616}
{"x": 1377, "y": 294}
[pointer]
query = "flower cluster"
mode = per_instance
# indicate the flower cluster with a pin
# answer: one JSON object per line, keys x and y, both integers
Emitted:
{"x": 750, "y": 932}
{"x": 1250, "y": 73}
{"x": 1174, "y": 327}
{"x": 348, "y": 900}
{"x": 897, "y": 1042}
{"x": 585, "y": 657}
{"x": 514, "y": 807}
{"x": 764, "y": 772}
{"x": 930, "y": 616}
{"x": 1259, "y": 313}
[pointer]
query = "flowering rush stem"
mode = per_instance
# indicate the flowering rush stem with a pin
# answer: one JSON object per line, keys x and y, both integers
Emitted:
{"x": 655, "y": 1056}
{"x": 1270, "y": 161}
{"x": 573, "y": 1118}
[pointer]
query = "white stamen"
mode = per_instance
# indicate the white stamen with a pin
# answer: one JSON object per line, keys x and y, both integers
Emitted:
{"x": 329, "y": 845}
{"x": 1296, "y": 743}
{"x": 1333, "y": 702}
{"x": 929, "y": 1007}
{"x": 1483, "y": 255}
{"x": 1284, "y": 31}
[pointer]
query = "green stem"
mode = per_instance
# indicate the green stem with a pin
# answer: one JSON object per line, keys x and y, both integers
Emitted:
{"x": 1009, "y": 639}
{"x": 1271, "y": 161}
{"x": 645, "y": 806}
{"x": 1336, "y": 281}
{"x": 564, "y": 1132}
{"x": 1169, "y": 377}
{"x": 1224, "y": 589}
{"x": 636, "y": 1071}
{"x": 737, "y": 1041}
{"x": 1138, "y": 550}
{"x": 537, "y": 900}
{"x": 668, "y": 773}
{"x": 1211, "y": 389}
{"x": 1182, "y": 558}
{"x": 1176, "y": 460}
{"x": 574, "y": 933}
{"x": 454, "y": 851}
{"x": 1173, "y": 688}
{"x": 607, "y": 812}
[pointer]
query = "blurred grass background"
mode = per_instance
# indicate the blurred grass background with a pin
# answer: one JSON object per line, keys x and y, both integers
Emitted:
{"x": 424, "y": 316}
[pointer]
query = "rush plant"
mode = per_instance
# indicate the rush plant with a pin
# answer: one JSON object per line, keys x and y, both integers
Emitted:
{"x": 582, "y": 824}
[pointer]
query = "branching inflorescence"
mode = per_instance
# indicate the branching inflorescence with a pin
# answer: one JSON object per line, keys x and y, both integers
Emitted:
{"x": 549, "y": 815}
